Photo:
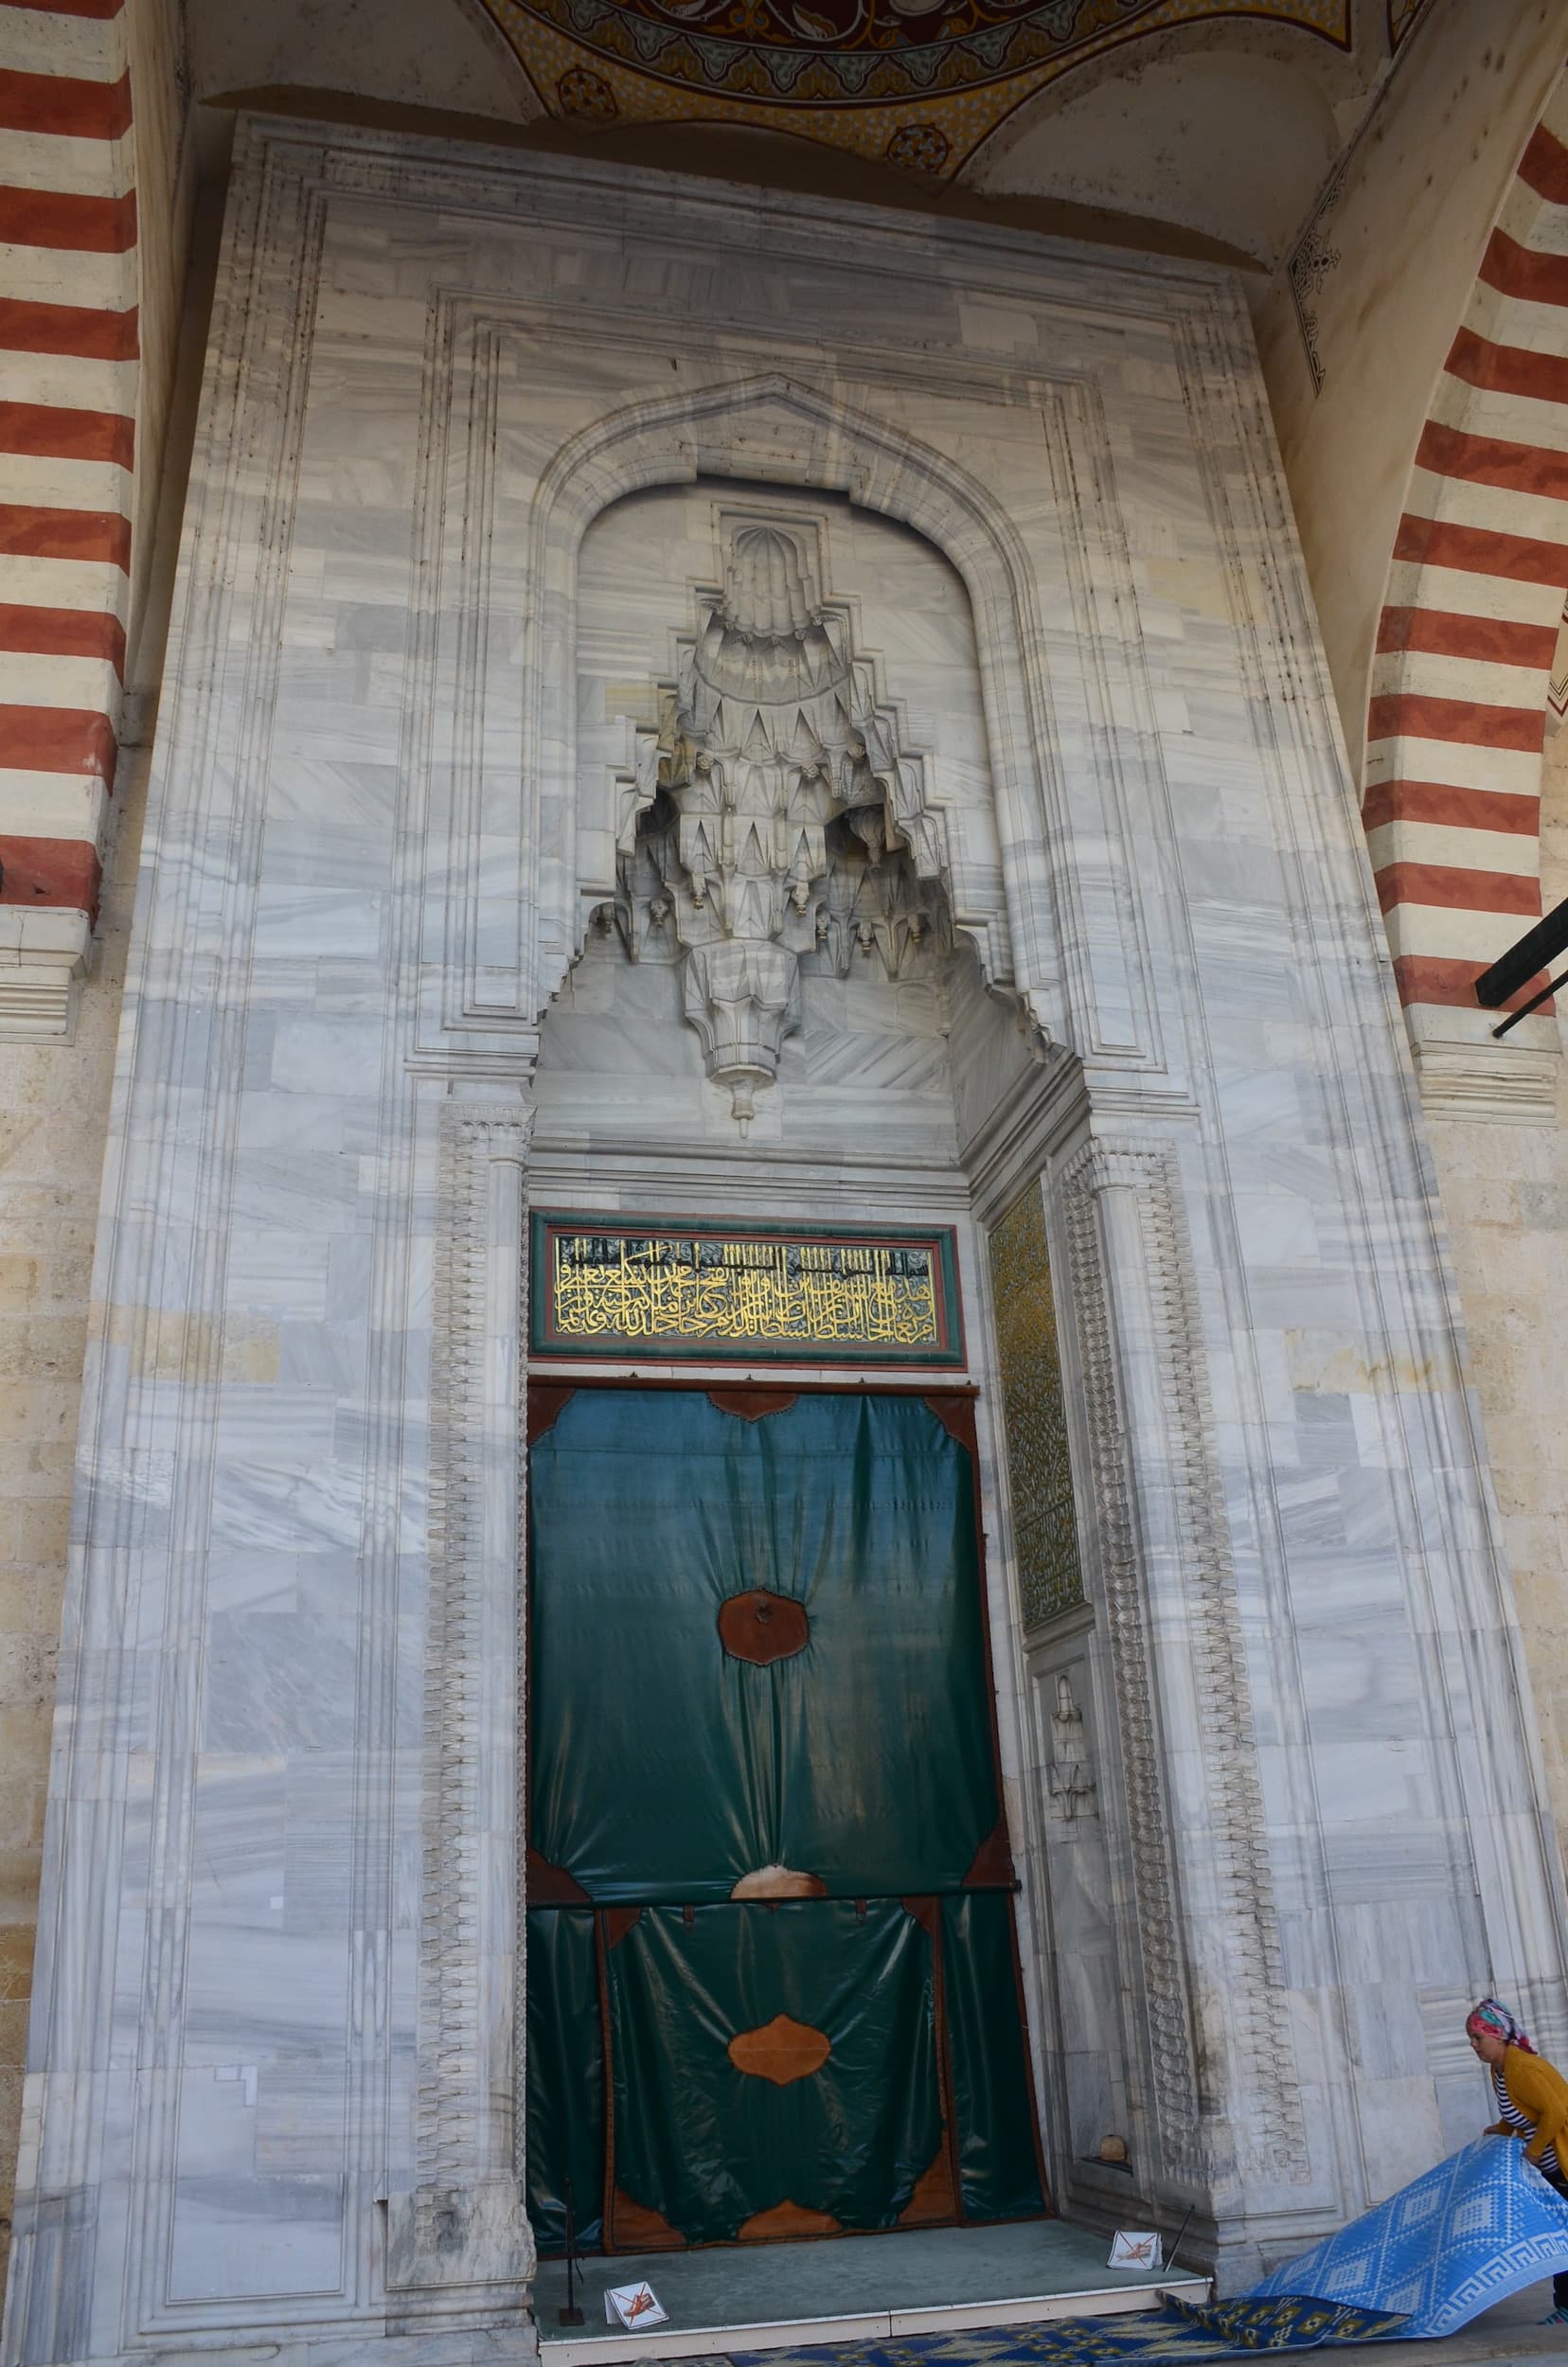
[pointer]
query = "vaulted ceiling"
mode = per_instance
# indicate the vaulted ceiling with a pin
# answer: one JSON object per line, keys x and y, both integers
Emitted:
{"x": 1221, "y": 119}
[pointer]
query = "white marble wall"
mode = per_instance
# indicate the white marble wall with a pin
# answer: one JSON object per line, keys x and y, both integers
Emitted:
{"x": 273, "y": 2057}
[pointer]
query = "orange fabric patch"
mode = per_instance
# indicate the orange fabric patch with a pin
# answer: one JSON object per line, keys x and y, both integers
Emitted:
{"x": 635, "y": 2228}
{"x": 761, "y": 1627}
{"x": 786, "y": 2219}
{"x": 933, "y": 2203}
{"x": 779, "y": 1881}
{"x": 782, "y": 2050}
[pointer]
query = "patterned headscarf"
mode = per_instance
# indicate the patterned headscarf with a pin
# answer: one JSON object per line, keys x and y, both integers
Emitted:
{"x": 1490, "y": 2016}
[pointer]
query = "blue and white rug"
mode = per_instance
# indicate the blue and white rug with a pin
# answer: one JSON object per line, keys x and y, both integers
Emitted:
{"x": 1482, "y": 2225}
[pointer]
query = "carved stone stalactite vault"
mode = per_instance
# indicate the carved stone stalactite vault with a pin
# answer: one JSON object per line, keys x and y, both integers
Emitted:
{"x": 773, "y": 813}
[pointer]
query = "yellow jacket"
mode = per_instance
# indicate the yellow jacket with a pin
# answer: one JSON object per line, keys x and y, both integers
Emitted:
{"x": 1541, "y": 2095}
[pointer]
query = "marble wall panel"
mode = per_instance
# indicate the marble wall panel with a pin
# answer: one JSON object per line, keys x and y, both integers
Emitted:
{"x": 274, "y": 2052}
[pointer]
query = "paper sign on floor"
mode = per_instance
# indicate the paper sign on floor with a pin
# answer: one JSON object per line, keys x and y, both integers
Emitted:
{"x": 1134, "y": 2249}
{"x": 632, "y": 2306}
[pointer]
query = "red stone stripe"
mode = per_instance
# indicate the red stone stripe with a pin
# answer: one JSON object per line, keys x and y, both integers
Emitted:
{"x": 87, "y": 225}
{"x": 100, "y": 534}
{"x": 1457, "y": 809}
{"x": 1481, "y": 551}
{"x": 63, "y": 632}
{"x": 1544, "y": 167}
{"x": 1411, "y": 715}
{"x": 1457, "y": 889}
{"x": 1490, "y": 460}
{"x": 1508, "y": 369}
{"x": 65, "y": 104}
{"x": 50, "y": 430}
{"x": 81, "y": 330}
{"x": 1493, "y": 640}
{"x": 50, "y": 871}
{"x": 1435, "y": 978}
{"x": 101, "y": 9}
{"x": 58, "y": 740}
{"x": 1520, "y": 271}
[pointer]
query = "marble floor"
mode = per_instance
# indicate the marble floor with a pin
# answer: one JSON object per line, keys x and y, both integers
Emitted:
{"x": 852, "y": 2289}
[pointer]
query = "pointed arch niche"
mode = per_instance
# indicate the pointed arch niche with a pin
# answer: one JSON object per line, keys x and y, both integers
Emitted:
{"x": 918, "y": 1093}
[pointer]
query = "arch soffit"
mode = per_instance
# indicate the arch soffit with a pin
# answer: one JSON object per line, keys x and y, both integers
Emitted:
{"x": 831, "y": 447}
{"x": 1469, "y": 626}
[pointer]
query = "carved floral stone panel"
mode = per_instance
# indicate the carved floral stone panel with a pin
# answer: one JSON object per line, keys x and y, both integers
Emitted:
{"x": 1039, "y": 1471}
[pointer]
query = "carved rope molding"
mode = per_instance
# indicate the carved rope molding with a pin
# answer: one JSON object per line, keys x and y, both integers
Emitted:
{"x": 1242, "y": 1873}
{"x": 1167, "y": 2005}
{"x": 464, "y": 2223}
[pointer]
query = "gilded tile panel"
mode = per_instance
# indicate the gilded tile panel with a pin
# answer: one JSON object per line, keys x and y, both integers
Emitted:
{"x": 1039, "y": 1471}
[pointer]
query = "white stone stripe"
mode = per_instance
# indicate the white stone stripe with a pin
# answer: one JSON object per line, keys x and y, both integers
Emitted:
{"x": 1458, "y": 501}
{"x": 1512, "y": 772}
{"x": 63, "y": 484}
{"x": 1464, "y": 850}
{"x": 1512, "y": 320}
{"x": 53, "y": 805}
{"x": 68, "y": 381}
{"x": 1423, "y": 674}
{"x": 30, "y": 678}
{"x": 1533, "y": 221}
{"x": 58, "y": 160}
{"x": 66, "y": 584}
{"x": 1456, "y": 933}
{"x": 1526, "y": 420}
{"x": 55, "y": 274}
{"x": 1415, "y": 583}
{"x": 37, "y": 40}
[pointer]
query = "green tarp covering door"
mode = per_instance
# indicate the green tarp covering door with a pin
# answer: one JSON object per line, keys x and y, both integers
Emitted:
{"x": 771, "y": 1981}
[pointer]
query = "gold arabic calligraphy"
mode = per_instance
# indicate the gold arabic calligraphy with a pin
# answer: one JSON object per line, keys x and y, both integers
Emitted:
{"x": 628, "y": 1287}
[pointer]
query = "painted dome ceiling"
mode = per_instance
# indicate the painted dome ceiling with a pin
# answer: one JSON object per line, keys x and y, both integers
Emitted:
{"x": 920, "y": 83}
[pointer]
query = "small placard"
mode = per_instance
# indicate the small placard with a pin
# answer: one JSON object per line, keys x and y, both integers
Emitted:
{"x": 632, "y": 2306}
{"x": 1133, "y": 2248}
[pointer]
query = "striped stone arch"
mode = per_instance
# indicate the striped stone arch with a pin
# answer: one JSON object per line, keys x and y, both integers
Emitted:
{"x": 68, "y": 401}
{"x": 1465, "y": 645}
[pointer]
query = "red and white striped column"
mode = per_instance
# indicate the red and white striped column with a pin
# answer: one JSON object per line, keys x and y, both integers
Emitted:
{"x": 69, "y": 391}
{"x": 1466, "y": 642}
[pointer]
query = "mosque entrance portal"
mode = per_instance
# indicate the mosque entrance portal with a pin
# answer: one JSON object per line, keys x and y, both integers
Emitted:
{"x": 773, "y": 1974}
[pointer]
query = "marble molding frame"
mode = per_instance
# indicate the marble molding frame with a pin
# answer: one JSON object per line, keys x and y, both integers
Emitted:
{"x": 521, "y": 304}
{"x": 464, "y": 2222}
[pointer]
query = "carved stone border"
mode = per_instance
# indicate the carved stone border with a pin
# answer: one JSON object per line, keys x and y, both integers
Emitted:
{"x": 1148, "y": 1240}
{"x": 1157, "y": 1919}
{"x": 464, "y": 2222}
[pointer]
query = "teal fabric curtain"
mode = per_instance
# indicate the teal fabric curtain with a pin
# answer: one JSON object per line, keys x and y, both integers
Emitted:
{"x": 565, "y": 2080}
{"x": 715, "y": 2145}
{"x": 665, "y": 1768}
{"x": 992, "y": 2091}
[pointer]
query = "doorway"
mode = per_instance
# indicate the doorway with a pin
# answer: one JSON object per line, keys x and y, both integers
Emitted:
{"x": 772, "y": 1971}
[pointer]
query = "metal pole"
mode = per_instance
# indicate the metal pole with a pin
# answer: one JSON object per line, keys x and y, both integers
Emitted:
{"x": 571, "y": 2315}
{"x": 1525, "y": 1009}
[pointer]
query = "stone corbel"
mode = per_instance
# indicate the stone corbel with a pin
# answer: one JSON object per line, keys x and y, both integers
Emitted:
{"x": 1465, "y": 1073}
{"x": 43, "y": 955}
{"x": 462, "y": 2223}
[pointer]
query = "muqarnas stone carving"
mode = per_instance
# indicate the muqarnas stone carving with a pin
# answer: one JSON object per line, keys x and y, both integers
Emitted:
{"x": 772, "y": 816}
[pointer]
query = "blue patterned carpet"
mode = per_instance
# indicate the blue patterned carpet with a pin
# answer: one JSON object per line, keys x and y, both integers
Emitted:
{"x": 1179, "y": 2331}
{"x": 1482, "y": 2225}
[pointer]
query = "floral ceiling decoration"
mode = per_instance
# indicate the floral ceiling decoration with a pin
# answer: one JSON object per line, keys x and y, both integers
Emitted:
{"x": 919, "y": 83}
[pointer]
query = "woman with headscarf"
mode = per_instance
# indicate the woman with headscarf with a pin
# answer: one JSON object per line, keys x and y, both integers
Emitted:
{"x": 1532, "y": 2100}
